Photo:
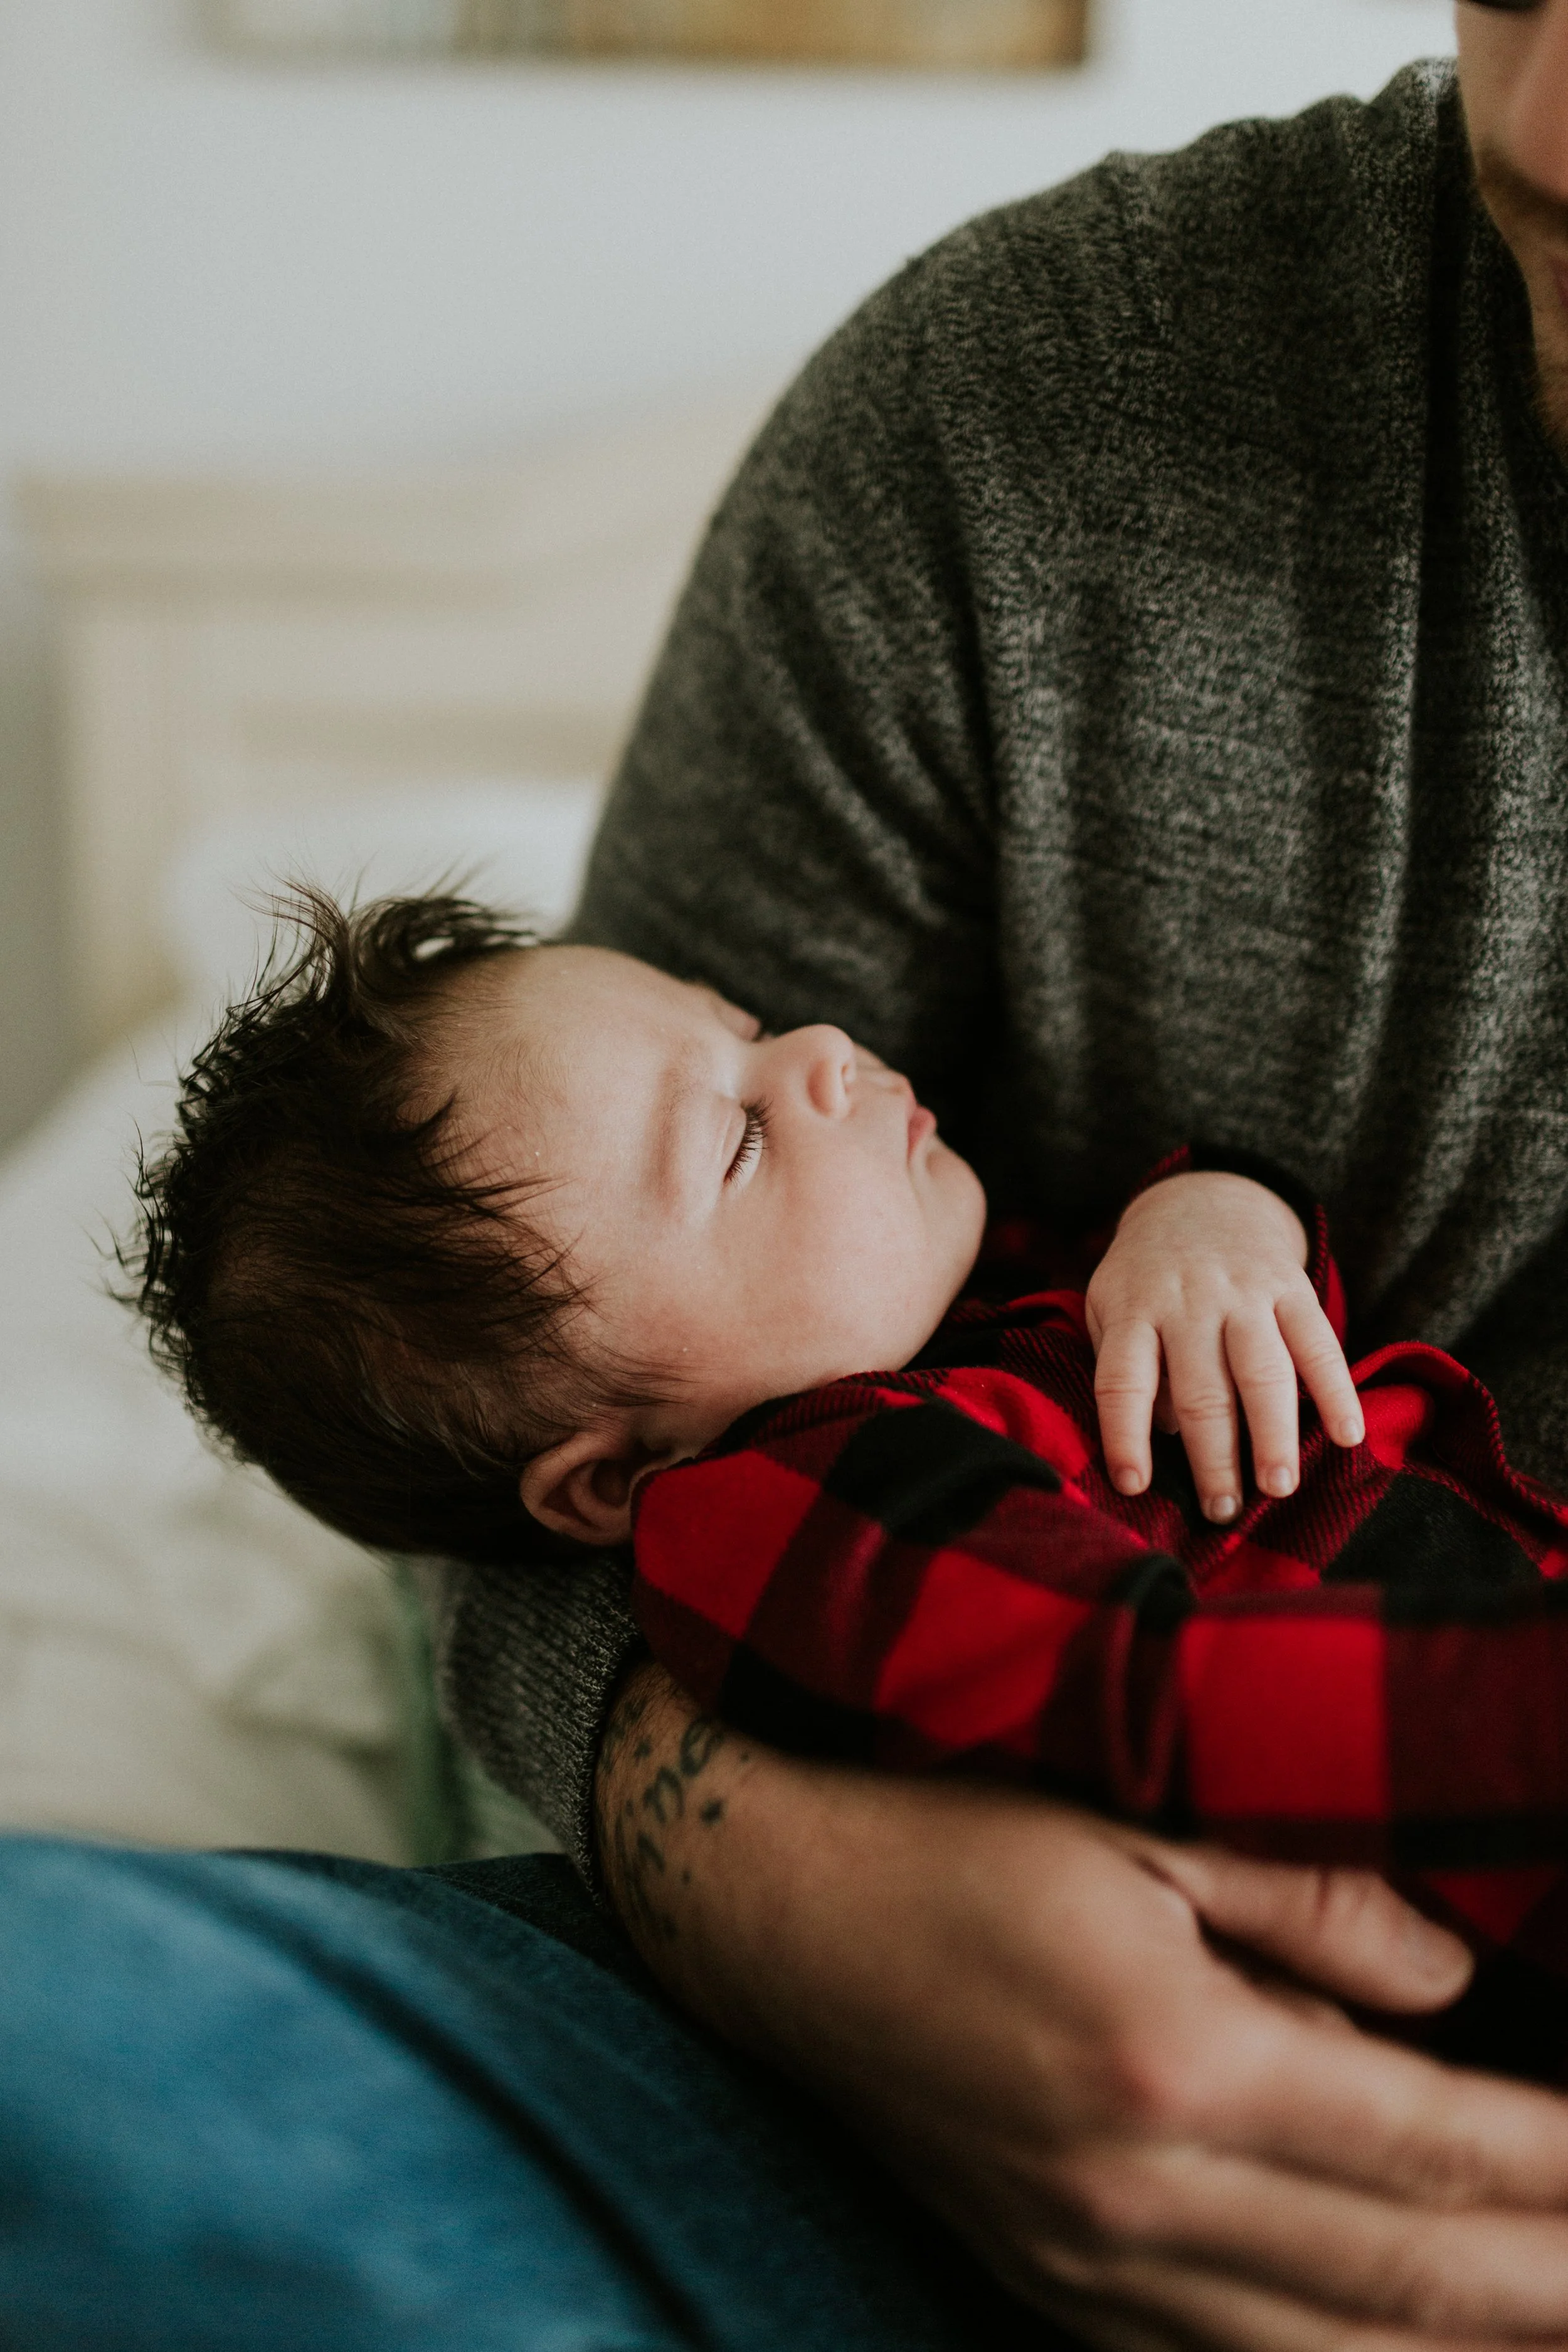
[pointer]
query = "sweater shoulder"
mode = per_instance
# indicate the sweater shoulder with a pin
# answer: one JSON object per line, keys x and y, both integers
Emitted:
{"x": 1266, "y": 289}
{"x": 1152, "y": 280}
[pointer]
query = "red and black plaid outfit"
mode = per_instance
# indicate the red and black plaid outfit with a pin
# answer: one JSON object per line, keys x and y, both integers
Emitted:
{"x": 932, "y": 1567}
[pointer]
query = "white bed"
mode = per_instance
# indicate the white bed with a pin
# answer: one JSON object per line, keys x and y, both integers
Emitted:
{"x": 262, "y": 682}
{"x": 184, "y": 1658}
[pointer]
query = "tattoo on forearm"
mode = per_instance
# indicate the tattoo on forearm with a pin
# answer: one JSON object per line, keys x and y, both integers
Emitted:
{"x": 665, "y": 1796}
{"x": 699, "y": 1743}
{"x": 624, "y": 1720}
{"x": 633, "y": 1843}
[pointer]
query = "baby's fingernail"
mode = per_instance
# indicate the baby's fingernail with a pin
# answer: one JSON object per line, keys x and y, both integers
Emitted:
{"x": 1130, "y": 1482}
{"x": 1222, "y": 1506}
{"x": 1351, "y": 1433}
{"x": 1278, "y": 1480}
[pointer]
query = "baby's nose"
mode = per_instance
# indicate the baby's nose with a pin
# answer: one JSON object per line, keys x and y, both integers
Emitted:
{"x": 829, "y": 1069}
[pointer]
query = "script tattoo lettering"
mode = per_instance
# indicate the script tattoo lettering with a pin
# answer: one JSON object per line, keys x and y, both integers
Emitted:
{"x": 624, "y": 1720}
{"x": 699, "y": 1743}
{"x": 632, "y": 1843}
{"x": 665, "y": 1795}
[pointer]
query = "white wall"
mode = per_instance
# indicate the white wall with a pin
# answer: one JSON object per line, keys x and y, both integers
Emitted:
{"x": 203, "y": 262}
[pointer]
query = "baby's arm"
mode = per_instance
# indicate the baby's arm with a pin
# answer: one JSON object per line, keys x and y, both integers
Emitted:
{"x": 1204, "y": 1298}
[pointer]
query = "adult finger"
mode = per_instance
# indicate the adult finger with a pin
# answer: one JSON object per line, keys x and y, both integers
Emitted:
{"x": 1321, "y": 1362}
{"x": 1355, "y": 2109}
{"x": 1403, "y": 2126}
{"x": 1257, "y": 2079}
{"x": 1253, "y": 2077}
{"x": 1363, "y": 2109}
{"x": 1204, "y": 1406}
{"x": 1264, "y": 1380}
{"x": 1344, "y": 1931}
{"x": 1471, "y": 2275}
{"x": 1161, "y": 2305}
{"x": 1126, "y": 1381}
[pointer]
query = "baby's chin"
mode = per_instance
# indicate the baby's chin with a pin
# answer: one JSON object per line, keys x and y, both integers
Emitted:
{"x": 969, "y": 1221}
{"x": 888, "y": 1343}
{"x": 946, "y": 1293}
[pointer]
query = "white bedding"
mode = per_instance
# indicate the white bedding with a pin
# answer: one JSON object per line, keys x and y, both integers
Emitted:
{"x": 186, "y": 1658}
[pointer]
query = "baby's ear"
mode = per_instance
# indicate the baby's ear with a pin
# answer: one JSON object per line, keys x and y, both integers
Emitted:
{"x": 584, "y": 1486}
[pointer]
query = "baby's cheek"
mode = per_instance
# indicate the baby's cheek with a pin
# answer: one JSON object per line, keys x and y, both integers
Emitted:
{"x": 853, "y": 1278}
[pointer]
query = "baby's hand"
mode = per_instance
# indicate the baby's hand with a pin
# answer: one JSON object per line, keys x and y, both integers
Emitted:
{"x": 1203, "y": 1296}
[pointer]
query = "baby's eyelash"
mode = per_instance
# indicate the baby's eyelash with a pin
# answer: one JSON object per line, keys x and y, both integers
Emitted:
{"x": 752, "y": 1141}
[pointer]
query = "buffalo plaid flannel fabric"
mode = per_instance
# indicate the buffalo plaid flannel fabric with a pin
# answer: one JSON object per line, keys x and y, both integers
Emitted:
{"x": 931, "y": 1567}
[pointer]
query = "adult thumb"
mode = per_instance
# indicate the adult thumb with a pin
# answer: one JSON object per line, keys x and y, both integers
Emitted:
{"x": 1346, "y": 1932}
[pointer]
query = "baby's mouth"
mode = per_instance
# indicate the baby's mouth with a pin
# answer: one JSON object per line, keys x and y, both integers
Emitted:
{"x": 922, "y": 1123}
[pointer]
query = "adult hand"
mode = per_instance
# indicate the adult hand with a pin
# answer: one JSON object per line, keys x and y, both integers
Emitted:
{"x": 1023, "y": 2008}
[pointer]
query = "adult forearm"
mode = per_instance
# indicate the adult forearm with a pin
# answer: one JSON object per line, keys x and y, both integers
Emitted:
{"x": 1026, "y": 2011}
{"x": 686, "y": 1810}
{"x": 665, "y": 1779}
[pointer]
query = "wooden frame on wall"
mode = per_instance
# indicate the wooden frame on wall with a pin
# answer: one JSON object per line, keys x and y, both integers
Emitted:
{"x": 963, "y": 35}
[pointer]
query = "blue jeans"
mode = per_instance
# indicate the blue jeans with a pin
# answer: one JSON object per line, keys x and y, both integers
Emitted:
{"x": 301, "y": 2105}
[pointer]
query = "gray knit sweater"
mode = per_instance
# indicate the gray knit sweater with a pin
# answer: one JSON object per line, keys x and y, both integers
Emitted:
{"x": 1125, "y": 687}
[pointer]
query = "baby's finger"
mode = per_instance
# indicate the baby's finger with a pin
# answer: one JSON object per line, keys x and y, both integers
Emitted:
{"x": 1265, "y": 1379}
{"x": 1204, "y": 1406}
{"x": 1126, "y": 1378}
{"x": 1321, "y": 1362}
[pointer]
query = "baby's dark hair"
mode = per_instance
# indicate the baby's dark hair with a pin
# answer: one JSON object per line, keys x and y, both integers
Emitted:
{"x": 340, "y": 1302}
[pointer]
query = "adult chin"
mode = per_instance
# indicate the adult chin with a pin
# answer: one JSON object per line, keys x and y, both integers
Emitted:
{"x": 1534, "y": 227}
{"x": 1551, "y": 401}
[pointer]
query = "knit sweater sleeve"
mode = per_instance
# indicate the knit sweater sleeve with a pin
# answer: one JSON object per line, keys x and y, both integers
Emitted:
{"x": 527, "y": 1663}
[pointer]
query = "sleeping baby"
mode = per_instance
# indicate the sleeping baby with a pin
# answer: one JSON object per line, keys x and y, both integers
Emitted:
{"x": 490, "y": 1249}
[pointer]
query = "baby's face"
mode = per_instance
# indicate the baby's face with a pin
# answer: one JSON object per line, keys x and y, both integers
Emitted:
{"x": 751, "y": 1214}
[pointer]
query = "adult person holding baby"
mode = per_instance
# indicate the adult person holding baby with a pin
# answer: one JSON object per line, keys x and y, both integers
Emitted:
{"x": 1125, "y": 688}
